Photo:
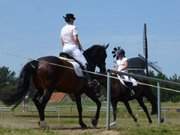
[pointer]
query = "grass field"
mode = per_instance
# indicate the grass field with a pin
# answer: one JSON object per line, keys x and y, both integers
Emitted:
{"x": 25, "y": 123}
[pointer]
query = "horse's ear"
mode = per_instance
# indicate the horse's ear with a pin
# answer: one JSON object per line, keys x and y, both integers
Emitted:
{"x": 106, "y": 46}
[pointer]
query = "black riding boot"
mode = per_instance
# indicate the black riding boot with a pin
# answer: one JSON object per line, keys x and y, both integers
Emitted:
{"x": 130, "y": 88}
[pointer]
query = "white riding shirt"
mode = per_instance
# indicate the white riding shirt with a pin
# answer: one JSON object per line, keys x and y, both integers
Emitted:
{"x": 122, "y": 78}
{"x": 121, "y": 63}
{"x": 68, "y": 32}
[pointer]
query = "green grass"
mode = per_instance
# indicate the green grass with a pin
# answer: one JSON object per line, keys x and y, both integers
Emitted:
{"x": 6, "y": 131}
{"x": 163, "y": 130}
{"x": 25, "y": 123}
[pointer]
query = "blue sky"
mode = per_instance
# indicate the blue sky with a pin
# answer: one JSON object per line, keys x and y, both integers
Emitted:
{"x": 30, "y": 29}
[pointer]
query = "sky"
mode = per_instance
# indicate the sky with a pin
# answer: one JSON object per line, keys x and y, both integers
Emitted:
{"x": 31, "y": 29}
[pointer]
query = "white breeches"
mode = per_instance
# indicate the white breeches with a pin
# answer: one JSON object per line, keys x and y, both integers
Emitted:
{"x": 75, "y": 52}
{"x": 123, "y": 78}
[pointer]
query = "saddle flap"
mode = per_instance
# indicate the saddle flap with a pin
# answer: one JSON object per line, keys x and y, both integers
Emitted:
{"x": 77, "y": 67}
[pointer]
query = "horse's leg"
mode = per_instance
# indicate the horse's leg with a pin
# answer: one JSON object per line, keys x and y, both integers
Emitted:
{"x": 79, "y": 107}
{"x": 114, "y": 107}
{"x": 141, "y": 103}
{"x": 130, "y": 110}
{"x": 41, "y": 107}
{"x": 93, "y": 96}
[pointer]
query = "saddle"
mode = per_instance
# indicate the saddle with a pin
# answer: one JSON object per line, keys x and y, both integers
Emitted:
{"x": 78, "y": 67}
{"x": 65, "y": 55}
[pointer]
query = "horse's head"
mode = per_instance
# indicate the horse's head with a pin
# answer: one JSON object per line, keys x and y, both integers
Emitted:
{"x": 96, "y": 56}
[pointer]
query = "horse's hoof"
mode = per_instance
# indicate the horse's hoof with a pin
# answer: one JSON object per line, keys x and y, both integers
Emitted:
{"x": 112, "y": 124}
{"x": 43, "y": 125}
{"x": 150, "y": 122}
{"x": 135, "y": 120}
{"x": 162, "y": 120}
{"x": 83, "y": 126}
{"x": 94, "y": 122}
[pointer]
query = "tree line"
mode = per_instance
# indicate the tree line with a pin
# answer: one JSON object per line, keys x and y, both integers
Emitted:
{"x": 8, "y": 81}
{"x": 8, "y": 78}
{"x": 165, "y": 94}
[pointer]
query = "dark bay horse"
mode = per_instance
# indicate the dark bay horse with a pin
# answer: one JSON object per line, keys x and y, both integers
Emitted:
{"x": 119, "y": 92}
{"x": 122, "y": 93}
{"x": 49, "y": 73}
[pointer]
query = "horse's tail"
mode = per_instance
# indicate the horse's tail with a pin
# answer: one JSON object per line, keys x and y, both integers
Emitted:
{"x": 15, "y": 96}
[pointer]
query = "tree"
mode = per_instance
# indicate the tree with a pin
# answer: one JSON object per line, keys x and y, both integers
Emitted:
{"x": 7, "y": 77}
{"x": 167, "y": 95}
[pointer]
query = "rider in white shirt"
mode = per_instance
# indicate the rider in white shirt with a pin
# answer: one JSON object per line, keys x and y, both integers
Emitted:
{"x": 122, "y": 65}
{"x": 122, "y": 61}
{"x": 70, "y": 40}
{"x": 71, "y": 44}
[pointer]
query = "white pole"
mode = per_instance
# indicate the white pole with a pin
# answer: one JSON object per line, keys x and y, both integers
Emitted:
{"x": 108, "y": 102}
{"x": 159, "y": 103}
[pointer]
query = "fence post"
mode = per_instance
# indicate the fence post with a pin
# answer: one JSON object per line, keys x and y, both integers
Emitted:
{"x": 108, "y": 102}
{"x": 159, "y": 103}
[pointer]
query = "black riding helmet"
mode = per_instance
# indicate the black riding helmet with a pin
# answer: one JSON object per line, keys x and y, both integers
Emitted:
{"x": 120, "y": 52}
{"x": 68, "y": 17}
